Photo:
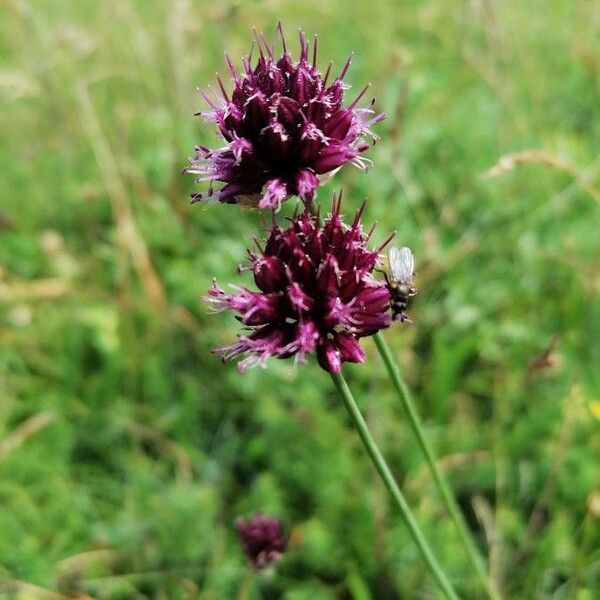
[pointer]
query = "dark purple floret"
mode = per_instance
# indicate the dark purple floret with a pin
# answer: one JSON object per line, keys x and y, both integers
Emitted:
{"x": 285, "y": 130}
{"x": 262, "y": 538}
{"x": 316, "y": 293}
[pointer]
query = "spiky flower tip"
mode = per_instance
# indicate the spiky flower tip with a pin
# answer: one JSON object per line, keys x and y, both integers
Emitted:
{"x": 316, "y": 293}
{"x": 262, "y": 538}
{"x": 285, "y": 129}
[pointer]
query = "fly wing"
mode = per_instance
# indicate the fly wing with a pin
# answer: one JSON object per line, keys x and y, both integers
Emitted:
{"x": 405, "y": 268}
{"x": 408, "y": 264}
{"x": 401, "y": 264}
{"x": 394, "y": 263}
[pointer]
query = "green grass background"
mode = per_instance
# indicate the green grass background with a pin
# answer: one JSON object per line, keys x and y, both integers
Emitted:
{"x": 127, "y": 449}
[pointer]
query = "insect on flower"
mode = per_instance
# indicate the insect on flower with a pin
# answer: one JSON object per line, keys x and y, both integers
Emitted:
{"x": 399, "y": 279}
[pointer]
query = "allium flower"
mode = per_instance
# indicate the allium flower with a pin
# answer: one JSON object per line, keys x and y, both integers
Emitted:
{"x": 285, "y": 130}
{"x": 316, "y": 293}
{"x": 262, "y": 539}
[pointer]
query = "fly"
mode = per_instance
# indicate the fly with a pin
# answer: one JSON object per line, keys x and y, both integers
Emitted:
{"x": 399, "y": 279}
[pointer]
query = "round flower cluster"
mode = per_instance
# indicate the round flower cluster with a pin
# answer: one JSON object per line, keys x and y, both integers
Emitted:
{"x": 285, "y": 130}
{"x": 316, "y": 294}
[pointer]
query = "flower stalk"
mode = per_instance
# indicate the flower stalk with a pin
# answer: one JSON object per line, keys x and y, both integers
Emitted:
{"x": 440, "y": 480}
{"x": 392, "y": 487}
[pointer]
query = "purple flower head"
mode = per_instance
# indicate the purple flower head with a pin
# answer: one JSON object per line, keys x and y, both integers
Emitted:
{"x": 285, "y": 129}
{"x": 316, "y": 294}
{"x": 262, "y": 539}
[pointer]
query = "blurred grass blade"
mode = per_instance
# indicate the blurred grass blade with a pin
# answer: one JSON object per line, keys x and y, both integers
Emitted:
{"x": 24, "y": 431}
{"x": 128, "y": 235}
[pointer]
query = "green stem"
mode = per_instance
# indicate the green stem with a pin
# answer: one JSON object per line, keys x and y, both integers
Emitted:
{"x": 439, "y": 478}
{"x": 392, "y": 486}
